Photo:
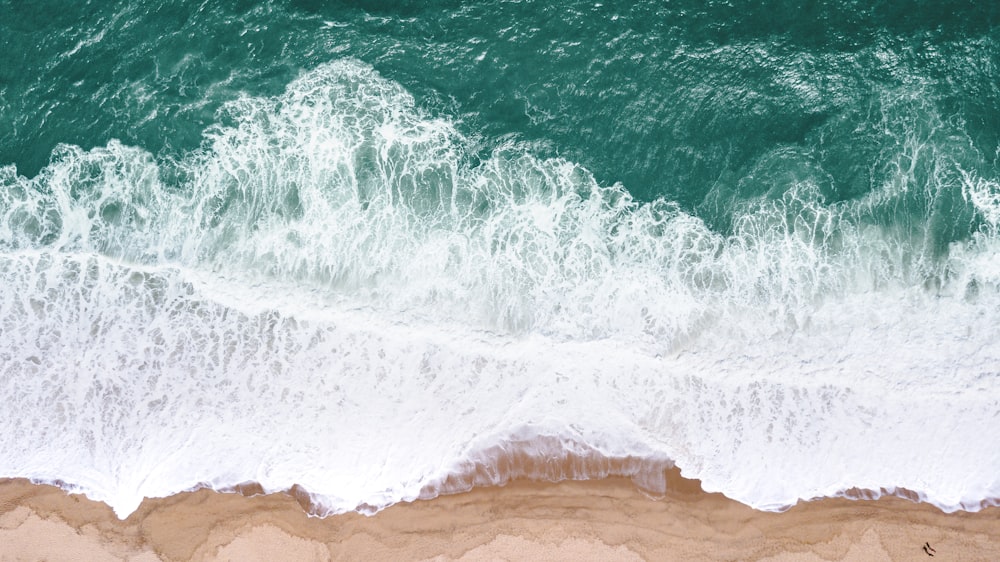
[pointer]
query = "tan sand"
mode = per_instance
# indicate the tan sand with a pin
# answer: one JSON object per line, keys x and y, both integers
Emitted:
{"x": 578, "y": 521}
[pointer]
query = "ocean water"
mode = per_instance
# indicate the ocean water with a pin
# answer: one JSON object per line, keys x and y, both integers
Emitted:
{"x": 382, "y": 251}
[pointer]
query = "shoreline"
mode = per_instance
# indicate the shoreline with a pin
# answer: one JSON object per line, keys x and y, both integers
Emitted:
{"x": 571, "y": 520}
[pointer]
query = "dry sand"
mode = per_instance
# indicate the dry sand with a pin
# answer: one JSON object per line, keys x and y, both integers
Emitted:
{"x": 578, "y": 521}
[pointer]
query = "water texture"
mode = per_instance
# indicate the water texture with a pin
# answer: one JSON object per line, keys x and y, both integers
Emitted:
{"x": 381, "y": 252}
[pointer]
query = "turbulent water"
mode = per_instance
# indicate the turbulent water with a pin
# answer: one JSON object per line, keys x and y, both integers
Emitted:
{"x": 380, "y": 253}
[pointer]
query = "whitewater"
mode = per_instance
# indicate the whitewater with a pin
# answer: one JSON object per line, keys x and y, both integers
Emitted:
{"x": 340, "y": 291}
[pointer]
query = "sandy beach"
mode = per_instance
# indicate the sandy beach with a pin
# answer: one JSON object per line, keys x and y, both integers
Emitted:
{"x": 592, "y": 520}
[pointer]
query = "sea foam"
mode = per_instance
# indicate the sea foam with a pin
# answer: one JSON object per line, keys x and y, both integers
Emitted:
{"x": 338, "y": 291}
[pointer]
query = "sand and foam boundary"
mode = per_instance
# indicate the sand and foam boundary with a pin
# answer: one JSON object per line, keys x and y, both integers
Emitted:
{"x": 589, "y": 520}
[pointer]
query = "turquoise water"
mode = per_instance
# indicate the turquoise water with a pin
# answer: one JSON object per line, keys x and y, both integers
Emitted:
{"x": 673, "y": 100}
{"x": 363, "y": 247}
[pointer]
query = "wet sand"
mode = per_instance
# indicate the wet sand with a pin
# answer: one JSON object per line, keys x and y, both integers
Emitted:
{"x": 579, "y": 521}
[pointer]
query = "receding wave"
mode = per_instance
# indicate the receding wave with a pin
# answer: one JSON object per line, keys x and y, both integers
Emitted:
{"x": 340, "y": 292}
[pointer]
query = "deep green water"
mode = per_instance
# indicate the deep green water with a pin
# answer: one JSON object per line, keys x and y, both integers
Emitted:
{"x": 672, "y": 99}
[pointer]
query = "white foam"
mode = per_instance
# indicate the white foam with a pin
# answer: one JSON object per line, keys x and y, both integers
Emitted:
{"x": 330, "y": 294}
